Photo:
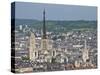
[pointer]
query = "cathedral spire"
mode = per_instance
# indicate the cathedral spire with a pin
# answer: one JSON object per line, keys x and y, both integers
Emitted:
{"x": 44, "y": 27}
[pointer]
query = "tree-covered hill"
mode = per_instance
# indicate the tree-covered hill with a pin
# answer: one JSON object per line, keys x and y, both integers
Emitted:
{"x": 58, "y": 25}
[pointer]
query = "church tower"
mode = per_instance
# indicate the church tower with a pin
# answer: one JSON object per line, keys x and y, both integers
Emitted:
{"x": 85, "y": 53}
{"x": 44, "y": 41}
{"x": 32, "y": 46}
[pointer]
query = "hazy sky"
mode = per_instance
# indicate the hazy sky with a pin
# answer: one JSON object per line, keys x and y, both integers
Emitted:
{"x": 26, "y": 10}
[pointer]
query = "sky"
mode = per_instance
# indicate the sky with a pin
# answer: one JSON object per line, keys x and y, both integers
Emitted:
{"x": 27, "y": 10}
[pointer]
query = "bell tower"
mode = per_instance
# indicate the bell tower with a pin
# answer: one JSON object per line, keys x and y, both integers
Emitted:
{"x": 32, "y": 46}
{"x": 85, "y": 52}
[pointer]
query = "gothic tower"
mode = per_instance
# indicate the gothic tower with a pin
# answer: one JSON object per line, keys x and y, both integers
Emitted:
{"x": 85, "y": 52}
{"x": 32, "y": 46}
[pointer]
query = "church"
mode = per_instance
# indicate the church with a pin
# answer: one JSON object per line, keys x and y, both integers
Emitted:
{"x": 44, "y": 53}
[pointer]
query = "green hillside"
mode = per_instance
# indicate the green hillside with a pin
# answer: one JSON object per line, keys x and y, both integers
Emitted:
{"x": 59, "y": 26}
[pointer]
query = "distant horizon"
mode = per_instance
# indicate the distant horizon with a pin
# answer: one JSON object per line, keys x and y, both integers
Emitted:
{"x": 55, "y": 20}
{"x": 28, "y": 10}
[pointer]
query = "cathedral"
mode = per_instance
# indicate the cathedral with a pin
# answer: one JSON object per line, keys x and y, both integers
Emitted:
{"x": 45, "y": 52}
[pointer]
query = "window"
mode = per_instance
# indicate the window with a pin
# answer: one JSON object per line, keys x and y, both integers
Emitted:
{"x": 35, "y": 54}
{"x": 53, "y": 53}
